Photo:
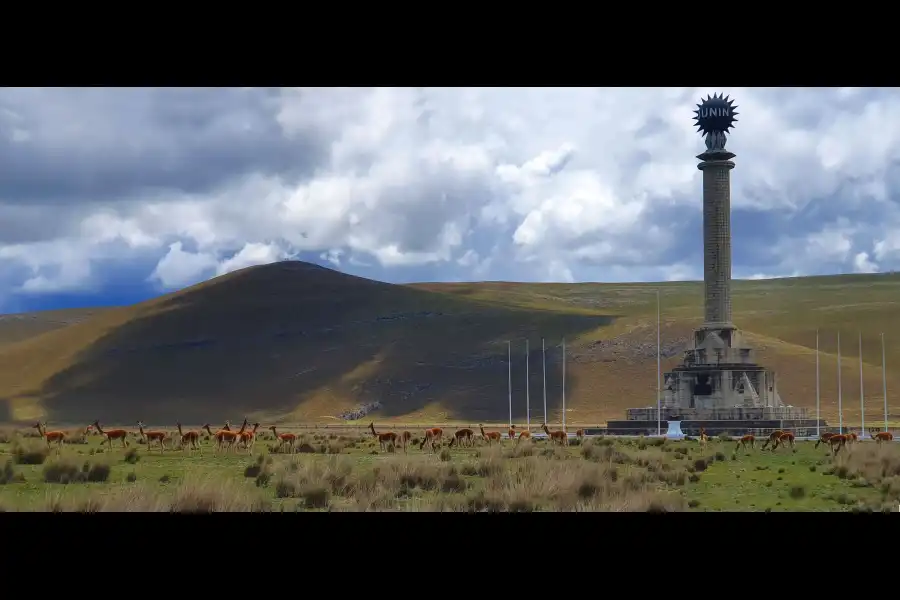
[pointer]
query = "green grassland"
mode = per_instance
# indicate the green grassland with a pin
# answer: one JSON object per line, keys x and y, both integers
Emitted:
{"x": 338, "y": 472}
{"x": 293, "y": 343}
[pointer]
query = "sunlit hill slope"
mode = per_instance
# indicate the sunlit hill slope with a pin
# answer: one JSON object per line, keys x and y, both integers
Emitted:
{"x": 297, "y": 342}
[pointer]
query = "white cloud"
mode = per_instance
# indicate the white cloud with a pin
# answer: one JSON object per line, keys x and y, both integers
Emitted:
{"x": 250, "y": 255}
{"x": 501, "y": 183}
{"x": 179, "y": 268}
{"x": 862, "y": 263}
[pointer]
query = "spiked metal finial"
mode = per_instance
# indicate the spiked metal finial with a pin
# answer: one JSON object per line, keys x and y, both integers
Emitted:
{"x": 715, "y": 114}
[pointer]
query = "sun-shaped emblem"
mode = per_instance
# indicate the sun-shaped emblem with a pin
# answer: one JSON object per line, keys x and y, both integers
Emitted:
{"x": 715, "y": 114}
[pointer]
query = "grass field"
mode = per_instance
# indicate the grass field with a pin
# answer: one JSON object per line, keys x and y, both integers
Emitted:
{"x": 332, "y": 471}
{"x": 295, "y": 343}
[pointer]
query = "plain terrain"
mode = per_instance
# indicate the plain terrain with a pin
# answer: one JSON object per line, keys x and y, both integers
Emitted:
{"x": 293, "y": 342}
{"x": 347, "y": 472}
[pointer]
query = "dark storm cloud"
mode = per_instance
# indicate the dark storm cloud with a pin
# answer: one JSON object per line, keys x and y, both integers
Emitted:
{"x": 24, "y": 224}
{"x": 95, "y": 144}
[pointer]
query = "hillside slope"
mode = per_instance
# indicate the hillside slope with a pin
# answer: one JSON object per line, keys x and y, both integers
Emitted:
{"x": 283, "y": 341}
{"x": 614, "y": 368}
{"x": 297, "y": 342}
{"x": 17, "y": 327}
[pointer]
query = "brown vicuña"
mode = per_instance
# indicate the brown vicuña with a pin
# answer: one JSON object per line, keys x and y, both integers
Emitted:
{"x": 189, "y": 439}
{"x": 51, "y": 436}
{"x": 153, "y": 436}
{"x": 490, "y": 436}
{"x": 113, "y": 434}
{"x": 384, "y": 439}
{"x": 560, "y": 437}
{"x": 284, "y": 438}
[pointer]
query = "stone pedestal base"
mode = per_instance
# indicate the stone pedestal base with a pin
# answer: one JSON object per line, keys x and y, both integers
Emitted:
{"x": 674, "y": 432}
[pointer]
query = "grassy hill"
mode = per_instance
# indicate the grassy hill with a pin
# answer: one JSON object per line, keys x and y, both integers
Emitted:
{"x": 17, "y": 327}
{"x": 296, "y": 342}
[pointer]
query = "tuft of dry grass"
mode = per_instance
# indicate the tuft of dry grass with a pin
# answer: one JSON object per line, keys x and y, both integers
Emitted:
{"x": 512, "y": 480}
{"x": 597, "y": 476}
{"x": 29, "y": 453}
{"x": 191, "y": 496}
{"x": 131, "y": 456}
{"x": 869, "y": 464}
{"x": 9, "y": 475}
{"x": 7, "y": 435}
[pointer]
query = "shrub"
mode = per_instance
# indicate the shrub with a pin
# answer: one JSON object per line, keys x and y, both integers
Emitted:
{"x": 29, "y": 454}
{"x": 96, "y": 472}
{"x": 66, "y": 471}
{"x": 315, "y": 496}
{"x": 9, "y": 475}
{"x": 131, "y": 456}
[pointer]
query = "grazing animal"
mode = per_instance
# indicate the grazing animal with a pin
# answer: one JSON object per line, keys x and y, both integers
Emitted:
{"x": 153, "y": 436}
{"x": 284, "y": 438}
{"x": 51, "y": 436}
{"x": 404, "y": 439}
{"x": 491, "y": 436}
{"x": 113, "y": 434}
{"x": 464, "y": 435}
{"x": 225, "y": 438}
{"x": 837, "y": 442}
{"x": 773, "y": 437}
{"x": 823, "y": 439}
{"x": 786, "y": 438}
{"x": 704, "y": 439}
{"x": 433, "y": 436}
{"x": 882, "y": 436}
{"x": 512, "y": 432}
{"x": 851, "y": 438}
{"x": 579, "y": 433}
{"x": 190, "y": 439}
{"x": 747, "y": 440}
{"x": 560, "y": 437}
{"x": 525, "y": 435}
{"x": 248, "y": 438}
{"x": 384, "y": 438}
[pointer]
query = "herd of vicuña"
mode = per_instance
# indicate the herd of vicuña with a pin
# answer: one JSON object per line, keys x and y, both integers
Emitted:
{"x": 225, "y": 439}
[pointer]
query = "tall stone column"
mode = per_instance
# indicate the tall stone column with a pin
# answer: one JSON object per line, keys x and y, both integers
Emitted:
{"x": 716, "y": 167}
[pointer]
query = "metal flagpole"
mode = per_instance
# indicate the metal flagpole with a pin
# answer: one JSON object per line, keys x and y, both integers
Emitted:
{"x": 818, "y": 417}
{"x": 884, "y": 382}
{"x": 658, "y": 386}
{"x": 527, "y": 389}
{"x": 862, "y": 394}
{"x": 544, "y": 364}
{"x": 509, "y": 363}
{"x": 564, "y": 386}
{"x": 840, "y": 409}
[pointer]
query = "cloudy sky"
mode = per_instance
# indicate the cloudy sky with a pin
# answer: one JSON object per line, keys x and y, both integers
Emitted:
{"x": 115, "y": 195}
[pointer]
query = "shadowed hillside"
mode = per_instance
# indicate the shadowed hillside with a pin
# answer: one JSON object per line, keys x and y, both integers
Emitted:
{"x": 287, "y": 340}
{"x": 293, "y": 341}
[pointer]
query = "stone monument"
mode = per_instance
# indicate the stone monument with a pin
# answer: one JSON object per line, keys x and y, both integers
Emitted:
{"x": 718, "y": 386}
